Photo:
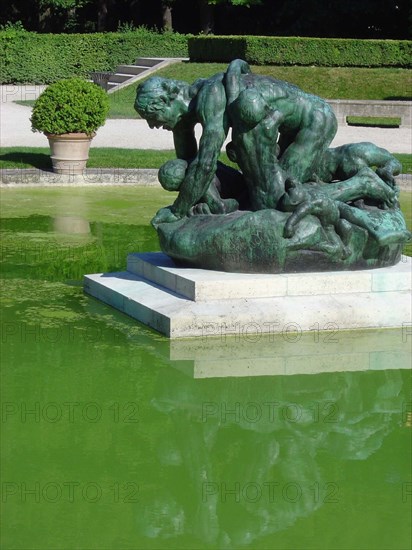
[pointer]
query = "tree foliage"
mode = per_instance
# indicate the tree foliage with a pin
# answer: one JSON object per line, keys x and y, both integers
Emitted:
{"x": 336, "y": 18}
{"x": 62, "y": 4}
{"x": 246, "y": 3}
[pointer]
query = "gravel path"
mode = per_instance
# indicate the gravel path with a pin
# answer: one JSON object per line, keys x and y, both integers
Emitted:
{"x": 135, "y": 134}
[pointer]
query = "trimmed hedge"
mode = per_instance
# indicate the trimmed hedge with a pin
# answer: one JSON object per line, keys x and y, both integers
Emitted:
{"x": 323, "y": 52}
{"x": 31, "y": 58}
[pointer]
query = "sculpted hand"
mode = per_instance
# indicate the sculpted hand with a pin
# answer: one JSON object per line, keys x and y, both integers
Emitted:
{"x": 387, "y": 176}
{"x": 376, "y": 188}
{"x": 389, "y": 199}
{"x": 200, "y": 208}
{"x": 164, "y": 215}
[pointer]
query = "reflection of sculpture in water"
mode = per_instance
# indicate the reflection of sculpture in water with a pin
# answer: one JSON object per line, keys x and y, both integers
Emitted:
{"x": 280, "y": 140}
{"x": 296, "y": 459}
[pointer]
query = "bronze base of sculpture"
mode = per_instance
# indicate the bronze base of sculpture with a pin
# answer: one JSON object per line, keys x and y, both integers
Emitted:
{"x": 254, "y": 242}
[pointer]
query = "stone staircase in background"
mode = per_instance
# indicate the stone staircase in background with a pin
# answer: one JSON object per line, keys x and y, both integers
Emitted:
{"x": 127, "y": 74}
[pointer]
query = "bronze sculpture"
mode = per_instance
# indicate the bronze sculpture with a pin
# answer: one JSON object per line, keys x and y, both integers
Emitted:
{"x": 294, "y": 205}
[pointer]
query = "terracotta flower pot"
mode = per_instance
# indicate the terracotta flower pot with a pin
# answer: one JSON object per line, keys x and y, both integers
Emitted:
{"x": 69, "y": 152}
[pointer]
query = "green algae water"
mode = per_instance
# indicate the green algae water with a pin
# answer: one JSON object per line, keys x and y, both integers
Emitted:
{"x": 113, "y": 437}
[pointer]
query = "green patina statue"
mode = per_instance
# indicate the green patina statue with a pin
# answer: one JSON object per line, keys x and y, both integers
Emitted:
{"x": 294, "y": 205}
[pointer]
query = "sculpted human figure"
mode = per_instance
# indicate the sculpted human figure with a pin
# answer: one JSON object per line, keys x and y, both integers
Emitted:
{"x": 341, "y": 163}
{"x": 351, "y": 163}
{"x": 178, "y": 106}
{"x": 294, "y": 205}
{"x": 336, "y": 217}
{"x": 262, "y": 109}
{"x": 259, "y": 109}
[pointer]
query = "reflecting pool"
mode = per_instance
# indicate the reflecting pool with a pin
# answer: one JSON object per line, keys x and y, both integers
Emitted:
{"x": 113, "y": 437}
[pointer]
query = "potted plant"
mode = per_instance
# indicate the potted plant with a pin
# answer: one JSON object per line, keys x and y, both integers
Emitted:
{"x": 69, "y": 113}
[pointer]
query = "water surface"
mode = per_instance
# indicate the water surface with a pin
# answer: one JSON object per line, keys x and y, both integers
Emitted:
{"x": 113, "y": 437}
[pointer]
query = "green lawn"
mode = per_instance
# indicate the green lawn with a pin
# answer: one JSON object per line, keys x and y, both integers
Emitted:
{"x": 108, "y": 157}
{"x": 328, "y": 82}
{"x": 104, "y": 157}
{"x": 374, "y": 121}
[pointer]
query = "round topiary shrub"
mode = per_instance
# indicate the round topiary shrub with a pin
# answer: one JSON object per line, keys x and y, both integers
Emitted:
{"x": 72, "y": 105}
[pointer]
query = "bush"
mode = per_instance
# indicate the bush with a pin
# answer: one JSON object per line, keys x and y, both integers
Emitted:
{"x": 323, "y": 52}
{"x": 71, "y": 105}
{"x": 30, "y": 58}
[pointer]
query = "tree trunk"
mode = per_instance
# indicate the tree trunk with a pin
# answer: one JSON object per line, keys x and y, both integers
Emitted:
{"x": 206, "y": 17}
{"x": 71, "y": 23}
{"x": 167, "y": 22}
{"x": 102, "y": 16}
{"x": 44, "y": 19}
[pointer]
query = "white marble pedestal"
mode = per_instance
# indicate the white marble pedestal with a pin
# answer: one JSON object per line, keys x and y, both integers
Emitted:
{"x": 184, "y": 302}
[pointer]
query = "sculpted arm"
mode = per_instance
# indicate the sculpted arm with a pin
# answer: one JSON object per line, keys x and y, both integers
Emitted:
{"x": 232, "y": 78}
{"x": 211, "y": 114}
{"x": 185, "y": 142}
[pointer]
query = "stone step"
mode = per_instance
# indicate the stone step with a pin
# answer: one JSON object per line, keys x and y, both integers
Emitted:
{"x": 148, "y": 61}
{"x": 131, "y": 69}
{"x": 201, "y": 285}
{"x": 124, "y": 73}
{"x": 120, "y": 77}
{"x": 144, "y": 66}
{"x": 311, "y": 308}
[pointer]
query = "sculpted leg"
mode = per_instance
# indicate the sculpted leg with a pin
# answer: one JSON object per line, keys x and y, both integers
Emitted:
{"x": 361, "y": 219}
{"x": 301, "y": 158}
{"x": 366, "y": 184}
{"x": 354, "y": 156}
{"x": 327, "y": 212}
{"x": 344, "y": 162}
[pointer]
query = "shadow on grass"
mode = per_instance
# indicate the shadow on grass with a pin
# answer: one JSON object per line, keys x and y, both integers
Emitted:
{"x": 374, "y": 122}
{"x": 40, "y": 161}
{"x": 373, "y": 125}
{"x": 398, "y": 98}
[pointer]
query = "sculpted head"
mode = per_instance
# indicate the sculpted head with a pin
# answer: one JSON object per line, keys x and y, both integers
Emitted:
{"x": 172, "y": 173}
{"x": 157, "y": 102}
